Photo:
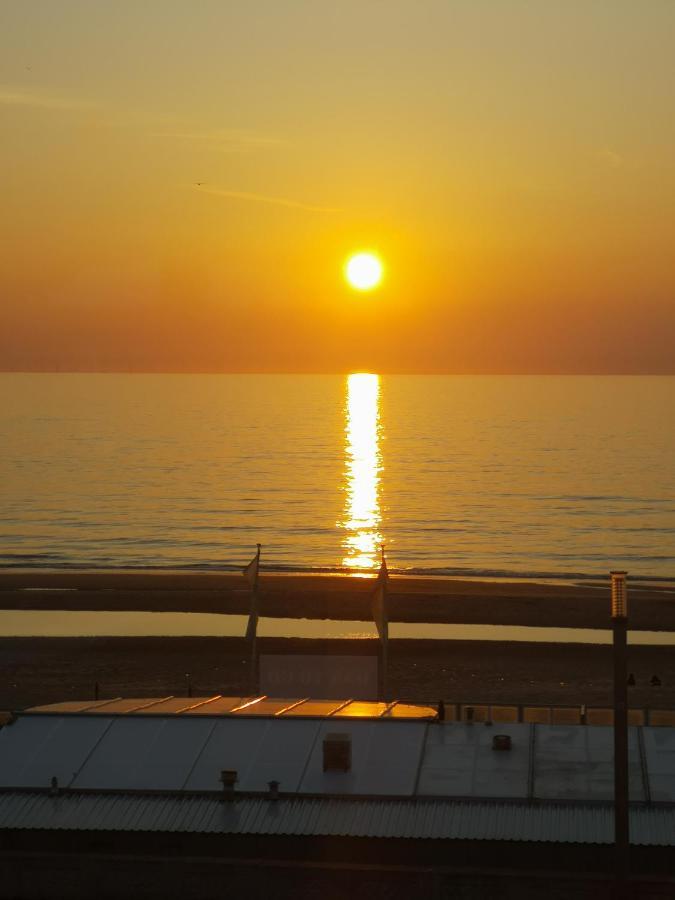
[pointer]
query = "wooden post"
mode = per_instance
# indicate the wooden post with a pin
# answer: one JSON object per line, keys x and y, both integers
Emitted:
{"x": 253, "y": 667}
{"x": 252, "y": 572}
{"x": 621, "y": 788}
{"x": 384, "y": 680}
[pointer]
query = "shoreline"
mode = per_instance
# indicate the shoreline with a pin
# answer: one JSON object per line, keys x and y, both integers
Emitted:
{"x": 583, "y": 579}
{"x": 412, "y": 598}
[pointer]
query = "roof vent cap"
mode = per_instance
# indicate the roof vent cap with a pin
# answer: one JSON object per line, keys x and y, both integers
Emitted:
{"x": 273, "y": 790}
{"x": 228, "y": 778}
{"x": 337, "y": 752}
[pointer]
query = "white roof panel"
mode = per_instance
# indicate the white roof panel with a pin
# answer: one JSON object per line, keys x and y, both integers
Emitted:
{"x": 459, "y": 761}
{"x": 385, "y": 758}
{"x": 127, "y": 705}
{"x": 148, "y": 753}
{"x": 166, "y": 705}
{"x": 259, "y": 750}
{"x": 267, "y": 707}
{"x": 72, "y": 706}
{"x": 281, "y": 755}
{"x": 659, "y": 744}
{"x": 361, "y": 709}
{"x": 36, "y": 748}
{"x": 314, "y": 708}
{"x": 215, "y": 706}
{"x": 232, "y": 744}
{"x": 577, "y": 763}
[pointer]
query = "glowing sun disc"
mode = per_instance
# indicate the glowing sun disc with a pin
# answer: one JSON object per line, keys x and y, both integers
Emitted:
{"x": 363, "y": 271}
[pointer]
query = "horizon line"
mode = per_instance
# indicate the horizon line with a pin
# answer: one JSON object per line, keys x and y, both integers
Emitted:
{"x": 497, "y": 374}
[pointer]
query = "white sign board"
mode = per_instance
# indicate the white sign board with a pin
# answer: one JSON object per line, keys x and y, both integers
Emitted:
{"x": 321, "y": 677}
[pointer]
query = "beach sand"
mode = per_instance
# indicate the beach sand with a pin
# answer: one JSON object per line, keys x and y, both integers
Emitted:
{"x": 41, "y": 670}
{"x": 411, "y": 599}
{"x": 45, "y": 670}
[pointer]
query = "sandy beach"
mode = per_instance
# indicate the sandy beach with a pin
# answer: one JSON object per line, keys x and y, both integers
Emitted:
{"x": 38, "y": 670}
{"x": 44, "y": 670}
{"x": 411, "y": 599}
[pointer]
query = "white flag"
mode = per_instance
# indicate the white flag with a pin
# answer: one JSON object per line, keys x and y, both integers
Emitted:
{"x": 251, "y": 570}
{"x": 250, "y": 573}
{"x": 380, "y": 612}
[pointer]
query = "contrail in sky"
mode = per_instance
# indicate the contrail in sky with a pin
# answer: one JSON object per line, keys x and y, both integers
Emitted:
{"x": 22, "y": 97}
{"x": 263, "y": 198}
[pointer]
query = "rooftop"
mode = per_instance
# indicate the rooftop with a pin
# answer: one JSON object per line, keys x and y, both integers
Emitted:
{"x": 161, "y": 765}
{"x": 396, "y": 750}
{"x": 263, "y": 705}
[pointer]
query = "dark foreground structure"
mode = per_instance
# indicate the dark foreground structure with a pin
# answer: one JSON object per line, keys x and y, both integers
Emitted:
{"x": 254, "y": 797}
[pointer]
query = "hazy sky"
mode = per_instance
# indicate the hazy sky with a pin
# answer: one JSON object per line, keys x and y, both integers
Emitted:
{"x": 512, "y": 162}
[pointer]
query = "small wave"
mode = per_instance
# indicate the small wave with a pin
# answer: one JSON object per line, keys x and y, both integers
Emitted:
{"x": 31, "y": 556}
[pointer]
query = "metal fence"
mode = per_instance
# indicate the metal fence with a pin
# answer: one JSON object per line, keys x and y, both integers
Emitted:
{"x": 550, "y": 715}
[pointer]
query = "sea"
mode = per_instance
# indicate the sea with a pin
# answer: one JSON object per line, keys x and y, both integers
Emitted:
{"x": 525, "y": 476}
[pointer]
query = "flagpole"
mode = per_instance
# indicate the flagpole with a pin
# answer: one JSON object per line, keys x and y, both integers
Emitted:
{"x": 385, "y": 667}
{"x": 253, "y": 628}
{"x": 384, "y": 637}
{"x": 254, "y": 642}
{"x": 253, "y": 675}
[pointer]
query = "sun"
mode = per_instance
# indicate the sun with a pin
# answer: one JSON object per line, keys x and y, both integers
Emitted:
{"x": 363, "y": 271}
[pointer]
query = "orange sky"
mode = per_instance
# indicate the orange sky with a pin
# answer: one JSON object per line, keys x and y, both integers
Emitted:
{"x": 513, "y": 163}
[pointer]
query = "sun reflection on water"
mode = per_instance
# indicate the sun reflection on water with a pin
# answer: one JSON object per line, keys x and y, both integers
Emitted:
{"x": 363, "y": 459}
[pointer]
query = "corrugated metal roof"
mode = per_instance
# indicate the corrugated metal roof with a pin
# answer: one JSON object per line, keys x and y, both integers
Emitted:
{"x": 428, "y": 819}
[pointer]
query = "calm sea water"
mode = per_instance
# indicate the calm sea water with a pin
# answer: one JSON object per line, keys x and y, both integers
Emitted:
{"x": 544, "y": 476}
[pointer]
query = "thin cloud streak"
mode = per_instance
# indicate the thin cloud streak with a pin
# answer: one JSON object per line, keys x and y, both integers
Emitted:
{"x": 264, "y": 198}
{"x": 36, "y": 100}
{"x": 225, "y": 140}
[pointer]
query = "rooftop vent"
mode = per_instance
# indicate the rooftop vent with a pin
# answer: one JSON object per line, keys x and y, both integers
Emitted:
{"x": 273, "y": 790}
{"x": 501, "y": 742}
{"x": 337, "y": 752}
{"x": 228, "y": 778}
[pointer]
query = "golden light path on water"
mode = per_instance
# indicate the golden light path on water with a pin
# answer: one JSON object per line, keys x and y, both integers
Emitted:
{"x": 362, "y": 519}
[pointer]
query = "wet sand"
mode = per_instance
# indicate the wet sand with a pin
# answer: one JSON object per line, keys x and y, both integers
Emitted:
{"x": 42, "y": 670}
{"x": 45, "y": 670}
{"x": 411, "y": 599}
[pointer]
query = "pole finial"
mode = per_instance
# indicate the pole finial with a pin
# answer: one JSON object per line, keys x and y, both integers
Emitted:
{"x": 619, "y": 594}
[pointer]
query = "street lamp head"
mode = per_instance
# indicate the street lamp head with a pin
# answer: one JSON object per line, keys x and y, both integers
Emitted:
{"x": 619, "y": 595}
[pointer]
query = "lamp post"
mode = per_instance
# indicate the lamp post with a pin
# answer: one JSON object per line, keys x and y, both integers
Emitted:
{"x": 621, "y": 797}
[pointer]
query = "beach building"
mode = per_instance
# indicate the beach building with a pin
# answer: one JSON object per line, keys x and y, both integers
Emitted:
{"x": 249, "y": 797}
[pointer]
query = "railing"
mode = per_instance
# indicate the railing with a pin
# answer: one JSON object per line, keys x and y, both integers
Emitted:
{"x": 549, "y": 715}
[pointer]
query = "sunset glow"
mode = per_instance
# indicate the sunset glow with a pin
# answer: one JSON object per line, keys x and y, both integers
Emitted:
{"x": 219, "y": 220}
{"x": 363, "y": 465}
{"x": 181, "y": 184}
{"x": 363, "y": 271}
